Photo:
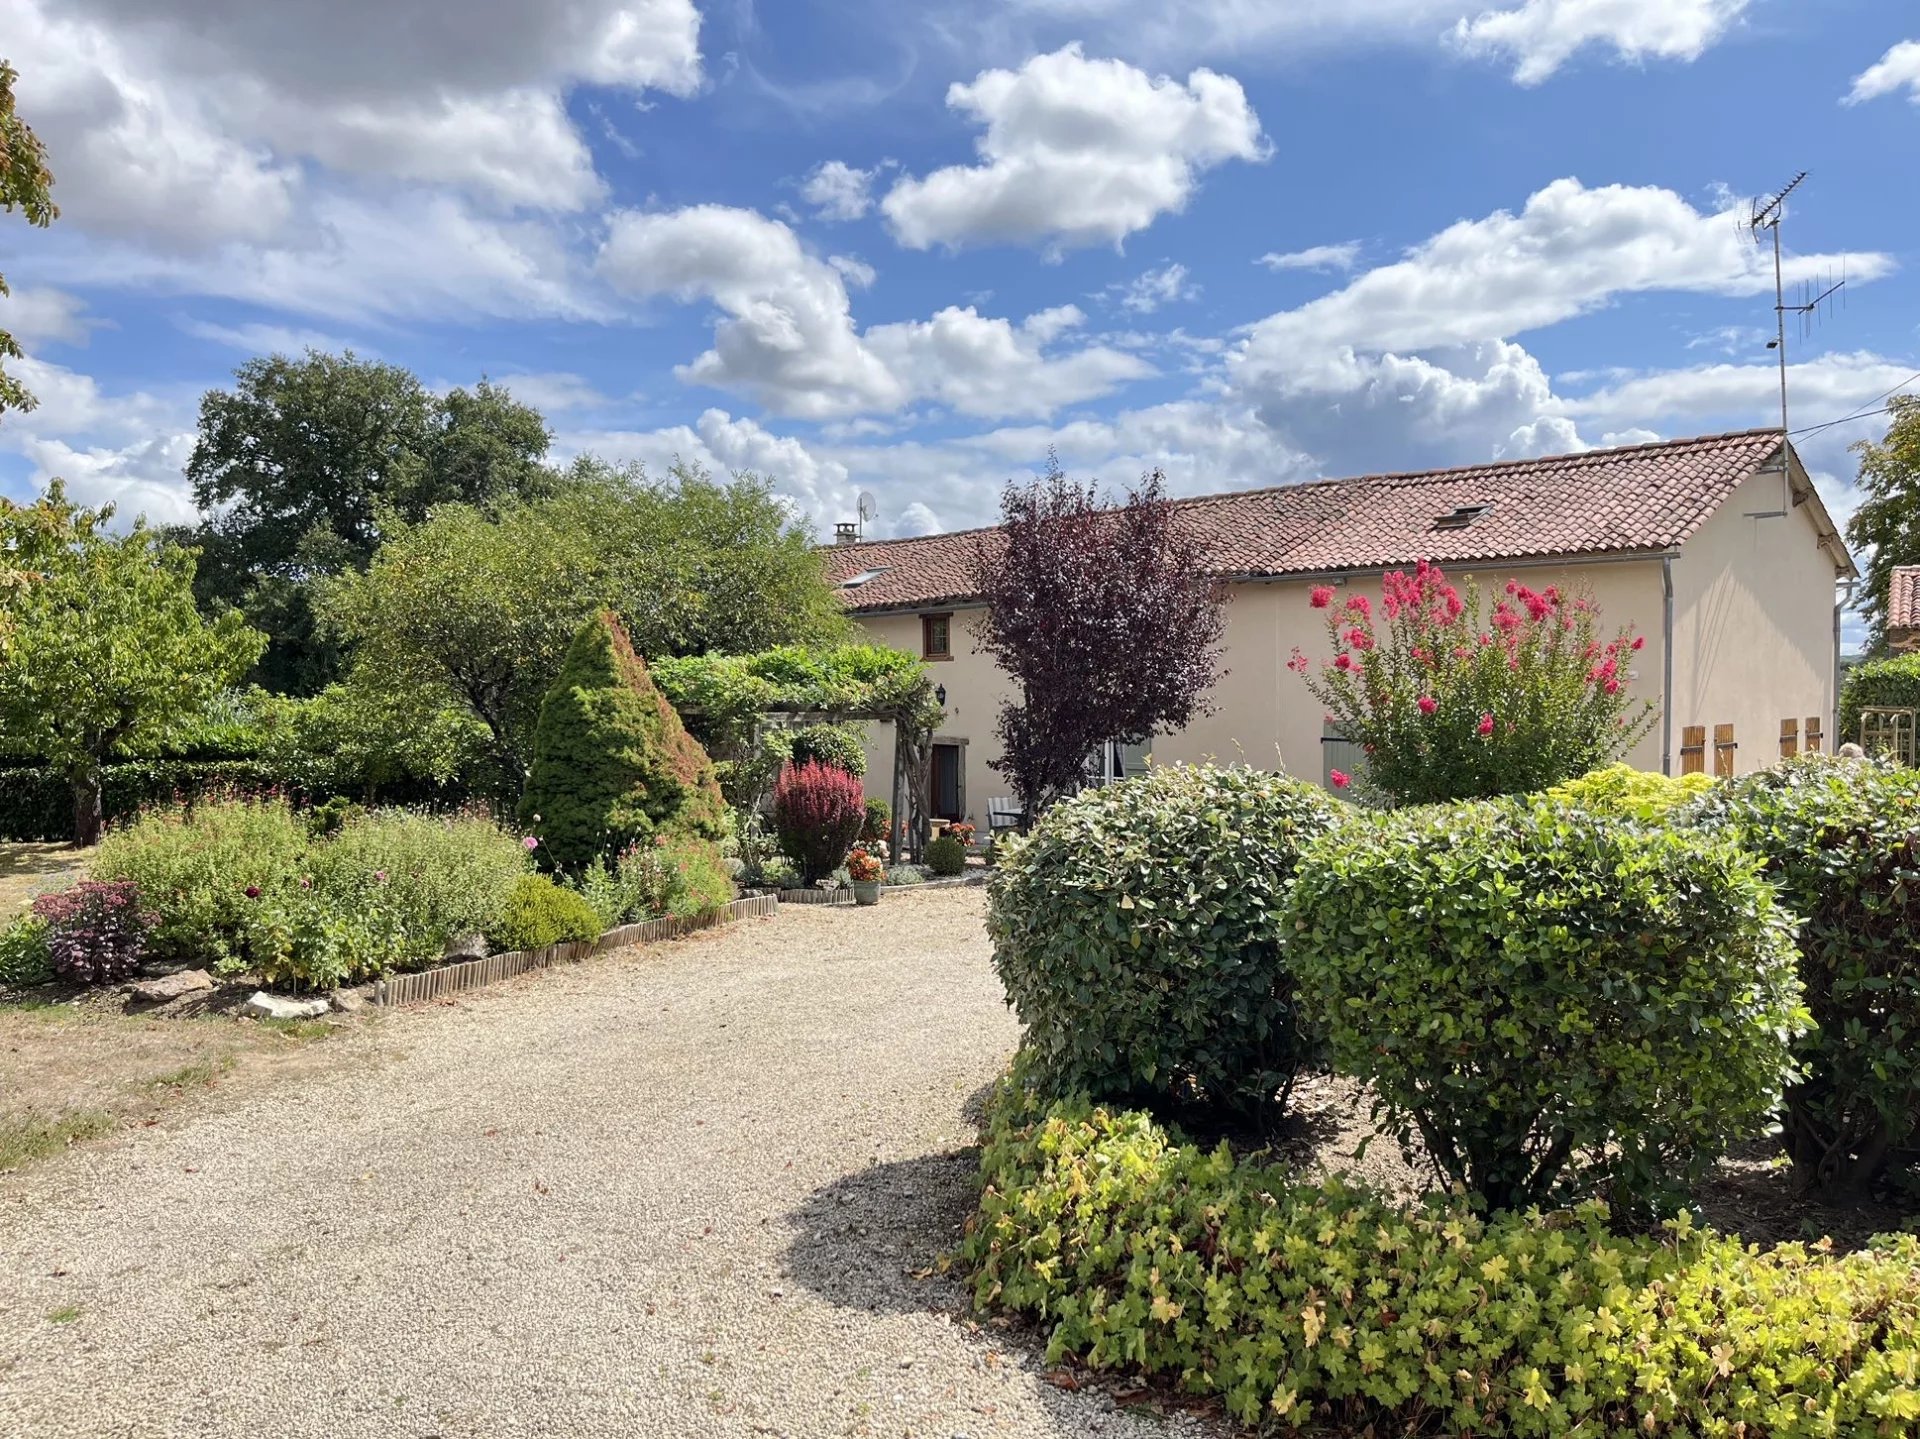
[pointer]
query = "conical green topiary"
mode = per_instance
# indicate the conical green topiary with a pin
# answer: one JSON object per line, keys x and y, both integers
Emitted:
{"x": 612, "y": 763}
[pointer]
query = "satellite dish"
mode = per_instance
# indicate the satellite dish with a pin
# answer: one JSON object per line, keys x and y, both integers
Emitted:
{"x": 869, "y": 507}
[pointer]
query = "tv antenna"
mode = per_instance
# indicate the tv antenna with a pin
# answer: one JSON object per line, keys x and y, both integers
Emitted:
{"x": 868, "y": 509}
{"x": 1767, "y": 215}
{"x": 1765, "y": 220}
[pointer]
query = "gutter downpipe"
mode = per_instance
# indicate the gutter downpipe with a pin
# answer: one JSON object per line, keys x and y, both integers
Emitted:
{"x": 1841, "y": 601}
{"x": 1666, "y": 663}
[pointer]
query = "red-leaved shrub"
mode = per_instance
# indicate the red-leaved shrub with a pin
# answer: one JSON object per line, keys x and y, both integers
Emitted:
{"x": 96, "y": 932}
{"x": 817, "y": 811}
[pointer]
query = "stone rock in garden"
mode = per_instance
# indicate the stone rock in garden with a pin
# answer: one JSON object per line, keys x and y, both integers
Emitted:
{"x": 274, "y": 1006}
{"x": 349, "y": 1001}
{"x": 169, "y": 987}
{"x": 467, "y": 946}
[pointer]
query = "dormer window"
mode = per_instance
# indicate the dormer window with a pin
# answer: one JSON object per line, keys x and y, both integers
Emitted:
{"x": 1460, "y": 517}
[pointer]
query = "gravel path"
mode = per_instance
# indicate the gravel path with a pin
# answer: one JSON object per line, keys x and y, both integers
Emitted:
{"x": 673, "y": 1192}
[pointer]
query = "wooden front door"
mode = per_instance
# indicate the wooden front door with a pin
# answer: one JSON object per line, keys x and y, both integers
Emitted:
{"x": 949, "y": 792}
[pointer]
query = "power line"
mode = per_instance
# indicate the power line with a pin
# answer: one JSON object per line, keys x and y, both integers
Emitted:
{"x": 1862, "y": 414}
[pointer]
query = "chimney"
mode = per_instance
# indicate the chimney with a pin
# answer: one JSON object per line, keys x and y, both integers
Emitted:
{"x": 846, "y": 532}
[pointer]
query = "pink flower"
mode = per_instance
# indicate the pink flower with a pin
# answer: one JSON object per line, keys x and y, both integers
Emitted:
{"x": 1612, "y": 687}
{"x": 1299, "y": 663}
{"x": 1360, "y": 605}
{"x": 1428, "y": 704}
{"x": 306, "y": 881}
{"x": 1639, "y": 642}
{"x": 1341, "y": 779}
{"x": 1321, "y": 597}
{"x": 380, "y": 876}
{"x": 1359, "y": 638}
{"x": 1513, "y": 587}
{"x": 1486, "y": 725}
{"x": 1343, "y": 662}
{"x": 529, "y": 844}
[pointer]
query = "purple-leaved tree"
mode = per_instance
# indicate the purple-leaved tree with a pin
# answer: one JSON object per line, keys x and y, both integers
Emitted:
{"x": 1106, "y": 617}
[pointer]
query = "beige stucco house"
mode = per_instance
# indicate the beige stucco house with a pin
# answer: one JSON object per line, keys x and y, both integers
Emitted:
{"x": 1717, "y": 549}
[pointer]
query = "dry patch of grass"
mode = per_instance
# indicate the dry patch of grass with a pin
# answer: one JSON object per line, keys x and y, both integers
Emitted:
{"x": 72, "y": 1073}
{"x": 27, "y": 870}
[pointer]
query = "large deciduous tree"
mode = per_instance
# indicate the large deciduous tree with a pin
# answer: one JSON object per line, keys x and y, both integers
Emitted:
{"x": 481, "y": 606}
{"x": 306, "y": 464}
{"x": 1888, "y": 520}
{"x": 25, "y": 185}
{"x": 103, "y": 649}
{"x": 1106, "y": 618}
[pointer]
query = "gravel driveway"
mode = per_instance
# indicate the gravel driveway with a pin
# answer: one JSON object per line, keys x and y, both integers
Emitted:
{"x": 675, "y": 1191}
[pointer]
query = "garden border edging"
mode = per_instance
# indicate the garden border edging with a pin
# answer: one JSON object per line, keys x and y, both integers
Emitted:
{"x": 450, "y": 979}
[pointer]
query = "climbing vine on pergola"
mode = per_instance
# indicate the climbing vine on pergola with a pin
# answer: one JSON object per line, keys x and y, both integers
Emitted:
{"x": 727, "y": 698}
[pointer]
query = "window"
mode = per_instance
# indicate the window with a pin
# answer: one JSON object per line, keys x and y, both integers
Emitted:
{"x": 1114, "y": 761}
{"x": 1461, "y": 517}
{"x": 936, "y": 637}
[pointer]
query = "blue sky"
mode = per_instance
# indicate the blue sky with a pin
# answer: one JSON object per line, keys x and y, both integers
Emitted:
{"x": 906, "y": 248}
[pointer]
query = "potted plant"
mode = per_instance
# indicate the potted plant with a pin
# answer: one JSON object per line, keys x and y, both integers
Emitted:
{"x": 864, "y": 873}
{"x": 961, "y": 831}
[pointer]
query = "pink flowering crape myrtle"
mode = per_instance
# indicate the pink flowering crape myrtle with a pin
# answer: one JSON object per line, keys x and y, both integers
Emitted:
{"x": 1452, "y": 699}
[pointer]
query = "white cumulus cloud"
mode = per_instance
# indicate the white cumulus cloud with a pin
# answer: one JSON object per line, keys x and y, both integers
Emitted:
{"x": 1898, "y": 69}
{"x": 1342, "y": 257}
{"x": 1540, "y": 36}
{"x": 786, "y": 334}
{"x": 838, "y": 191}
{"x": 189, "y": 122}
{"x": 1076, "y": 152}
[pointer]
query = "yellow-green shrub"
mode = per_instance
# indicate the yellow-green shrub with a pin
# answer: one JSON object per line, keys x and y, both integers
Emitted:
{"x": 538, "y": 913}
{"x": 1326, "y": 1304}
{"x": 1623, "y": 792}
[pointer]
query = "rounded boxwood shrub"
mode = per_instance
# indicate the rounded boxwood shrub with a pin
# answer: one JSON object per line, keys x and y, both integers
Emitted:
{"x": 946, "y": 857}
{"x": 1841, "y": 839}
{"x": 839, "y": 745}
{"x": 1136, "y": 931}
{"x": 1556, "y": 1004}
{"x": 538, "y": 913}
{"x": 1324, "y": 1309}
{"x": 879, "y": 820}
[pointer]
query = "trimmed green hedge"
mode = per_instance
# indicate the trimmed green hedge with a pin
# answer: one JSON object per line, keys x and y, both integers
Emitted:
{"x": 1137, "y": 933}
{"x": 37, "y": 804}
{"x": 1841, "y": 839}
{"x": 1557, "y": 1005}
{"x": 1890, "y": 683}
{"x": 1325, "y": 1305}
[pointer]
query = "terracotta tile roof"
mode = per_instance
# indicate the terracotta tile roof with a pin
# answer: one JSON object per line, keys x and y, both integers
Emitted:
{"x": 1903, "y": 598}
{"x": 1644, "y": 497}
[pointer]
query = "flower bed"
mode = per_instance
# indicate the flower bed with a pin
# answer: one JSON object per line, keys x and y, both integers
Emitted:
{"x": 1325, "y": 1305}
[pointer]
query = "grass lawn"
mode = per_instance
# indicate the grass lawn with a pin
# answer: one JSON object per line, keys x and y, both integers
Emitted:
{"x": 70, "y": 1073}
{"x": 30, "y": 869}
